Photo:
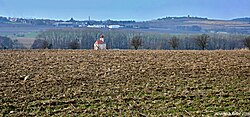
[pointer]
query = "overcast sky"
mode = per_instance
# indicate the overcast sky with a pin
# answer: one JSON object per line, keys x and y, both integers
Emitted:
{"x": 124, "y": 9}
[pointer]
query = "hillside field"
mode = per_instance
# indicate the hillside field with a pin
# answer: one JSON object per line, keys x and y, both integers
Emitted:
{"x": 27, "y": 42}
{"x": 124, "y": 82}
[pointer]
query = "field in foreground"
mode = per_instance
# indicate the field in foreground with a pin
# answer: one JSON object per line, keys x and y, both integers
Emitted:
{"x": 130, "y": 83}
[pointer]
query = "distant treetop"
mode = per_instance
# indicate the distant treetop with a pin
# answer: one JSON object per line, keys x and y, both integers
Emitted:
{"x": 184, "y": 17}
{"x": 246, "y": 19}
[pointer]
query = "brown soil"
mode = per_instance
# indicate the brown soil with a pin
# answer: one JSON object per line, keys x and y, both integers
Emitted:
{"x": 128, "y": 83}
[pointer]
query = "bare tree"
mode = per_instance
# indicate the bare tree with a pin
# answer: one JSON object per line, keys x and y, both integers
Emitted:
{"x": 45, "y": 44}
{"x": 40, "y": 44}
{"x": 174, "y": 42}
{"x": 136, "y": 42}
{"x": 74, "y": 44}
{"x": 202, "y": 41}
{"x": 6, "y": 43}
{"x": 50, "y": 46}
{"x": 246, "y": 42}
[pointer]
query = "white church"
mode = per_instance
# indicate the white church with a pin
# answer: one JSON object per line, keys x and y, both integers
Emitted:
{"x": 100, "y": 44}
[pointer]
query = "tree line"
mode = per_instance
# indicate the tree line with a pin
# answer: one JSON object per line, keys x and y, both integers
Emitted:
{"x": 126, "y": 39}
{"x": 8, "y": 43}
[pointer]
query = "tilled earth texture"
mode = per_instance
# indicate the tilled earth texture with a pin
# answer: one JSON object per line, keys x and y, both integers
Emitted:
{"x": 124, "y": 82}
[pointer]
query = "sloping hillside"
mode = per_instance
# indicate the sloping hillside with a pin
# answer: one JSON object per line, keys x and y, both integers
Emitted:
{"x": 186, "y": 24}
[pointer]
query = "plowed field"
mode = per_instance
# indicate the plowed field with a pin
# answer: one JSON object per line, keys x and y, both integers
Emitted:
{"x": 128, "y": 83}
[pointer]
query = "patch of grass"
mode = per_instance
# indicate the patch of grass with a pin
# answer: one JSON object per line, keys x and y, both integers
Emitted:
{"x": 31, "y": 34}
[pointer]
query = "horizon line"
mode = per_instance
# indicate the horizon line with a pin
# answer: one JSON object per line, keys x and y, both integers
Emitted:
{"x": 77, "y": 19}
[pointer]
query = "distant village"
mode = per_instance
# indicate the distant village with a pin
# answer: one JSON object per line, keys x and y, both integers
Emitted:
{"x": 185, "y": 24}
{"x": 72, "y": 23}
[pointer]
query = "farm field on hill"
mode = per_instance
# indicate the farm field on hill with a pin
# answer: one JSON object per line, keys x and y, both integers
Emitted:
{"x": 123, "y": 82}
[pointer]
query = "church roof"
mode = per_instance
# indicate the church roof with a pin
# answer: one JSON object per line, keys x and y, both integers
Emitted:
{"x": 99, "y": 42}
